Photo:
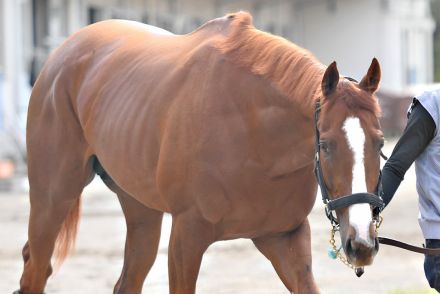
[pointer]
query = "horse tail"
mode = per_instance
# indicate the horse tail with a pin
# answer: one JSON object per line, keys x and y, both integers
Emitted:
{"x": 65, "y": 241}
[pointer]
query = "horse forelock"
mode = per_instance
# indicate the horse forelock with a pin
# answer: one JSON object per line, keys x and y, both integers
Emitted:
{"x": 354, "y": 99}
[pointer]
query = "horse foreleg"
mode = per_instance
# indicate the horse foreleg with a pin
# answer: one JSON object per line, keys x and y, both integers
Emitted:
{"x": 142, "y": 241}
{"x": 191, "y": 235}
{"x": 290, "y": 254}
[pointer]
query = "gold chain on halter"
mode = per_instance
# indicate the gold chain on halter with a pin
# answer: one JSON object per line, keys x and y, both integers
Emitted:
{"x": 338, "y": 252}
{"x": 378, "y": 222}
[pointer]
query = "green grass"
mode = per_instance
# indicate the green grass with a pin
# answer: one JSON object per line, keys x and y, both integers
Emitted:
{"x": 421, "y": 291}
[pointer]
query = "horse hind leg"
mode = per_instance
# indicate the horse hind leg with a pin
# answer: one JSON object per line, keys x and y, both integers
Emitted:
{"x": 55, "y": 205}
{"x": 142, "y": 240}
{"x": 58, "y": 170}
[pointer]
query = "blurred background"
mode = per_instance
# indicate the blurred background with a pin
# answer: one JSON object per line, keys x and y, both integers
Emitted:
{"x": 403, "y": 34}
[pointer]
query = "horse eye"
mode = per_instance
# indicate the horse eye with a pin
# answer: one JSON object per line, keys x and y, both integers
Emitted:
{"x": 324, "y": 147}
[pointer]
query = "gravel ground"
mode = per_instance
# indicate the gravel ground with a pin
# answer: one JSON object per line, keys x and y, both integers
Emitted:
{"x": 228, "y": 267}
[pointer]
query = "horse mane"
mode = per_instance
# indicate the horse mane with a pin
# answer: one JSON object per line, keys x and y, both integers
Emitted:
{"x": 292, "y": 69}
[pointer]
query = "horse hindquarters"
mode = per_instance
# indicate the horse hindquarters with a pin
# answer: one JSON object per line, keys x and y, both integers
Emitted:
{"x": 58, "y": 168}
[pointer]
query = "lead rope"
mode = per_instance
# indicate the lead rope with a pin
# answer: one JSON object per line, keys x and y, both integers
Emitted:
{"x": 335, "y": 252}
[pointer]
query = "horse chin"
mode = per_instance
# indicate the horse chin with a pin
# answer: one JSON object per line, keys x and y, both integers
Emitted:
{"x": 361, "y": 262}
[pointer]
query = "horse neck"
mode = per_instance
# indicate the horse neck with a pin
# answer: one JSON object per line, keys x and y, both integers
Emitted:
{"x": 292, "y": 70}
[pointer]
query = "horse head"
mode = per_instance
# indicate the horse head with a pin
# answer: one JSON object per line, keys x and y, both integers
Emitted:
{"x": 350, "y": 142}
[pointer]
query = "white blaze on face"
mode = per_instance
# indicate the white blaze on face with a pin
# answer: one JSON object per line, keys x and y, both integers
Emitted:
{"x": 359, "y": 214}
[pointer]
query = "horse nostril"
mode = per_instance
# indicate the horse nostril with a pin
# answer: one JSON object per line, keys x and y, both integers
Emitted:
{"x": 360, "y": 252}
{"x": 354, "y": 248}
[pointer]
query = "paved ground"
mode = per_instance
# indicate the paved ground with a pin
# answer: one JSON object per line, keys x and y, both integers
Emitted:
{"x": 228, "y": 267}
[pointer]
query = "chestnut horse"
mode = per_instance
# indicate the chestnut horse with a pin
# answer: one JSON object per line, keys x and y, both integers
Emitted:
{"x": 214, "y": 127}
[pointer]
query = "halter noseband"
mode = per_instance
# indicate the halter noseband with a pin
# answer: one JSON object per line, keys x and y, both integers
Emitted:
{"x": 332, "y": 204}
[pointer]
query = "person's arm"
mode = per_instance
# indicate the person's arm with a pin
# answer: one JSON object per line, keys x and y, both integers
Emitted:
{"x": 418, "y": 133}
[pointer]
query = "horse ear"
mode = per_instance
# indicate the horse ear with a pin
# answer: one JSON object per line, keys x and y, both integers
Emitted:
{"x": 330, "y": 80}
{"x": 370, "y": 82}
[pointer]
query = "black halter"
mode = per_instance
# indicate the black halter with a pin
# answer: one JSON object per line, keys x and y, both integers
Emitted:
{"x": 330, "y": 205}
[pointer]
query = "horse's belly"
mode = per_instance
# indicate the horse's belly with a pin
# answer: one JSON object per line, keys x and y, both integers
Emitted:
{"x": 137, "y": 182}
{"x": 129, "y": 155}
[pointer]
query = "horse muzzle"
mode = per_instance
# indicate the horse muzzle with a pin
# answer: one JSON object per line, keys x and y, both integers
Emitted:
{"x": 361, "y": 252}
